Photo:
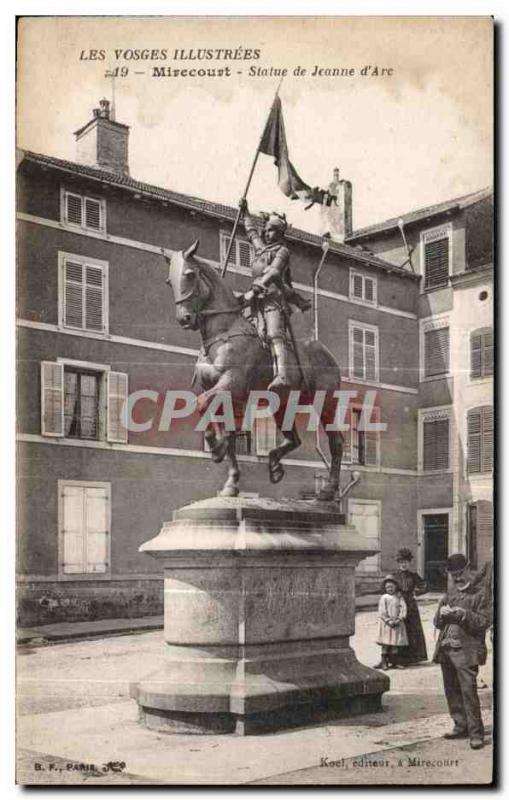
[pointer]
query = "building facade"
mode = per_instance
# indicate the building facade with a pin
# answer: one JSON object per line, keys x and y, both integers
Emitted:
{"x": 96, "y": 324}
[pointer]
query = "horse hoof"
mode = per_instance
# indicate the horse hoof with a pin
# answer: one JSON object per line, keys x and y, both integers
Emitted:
{"x": 276, "y": 473}
{"x": 219, "y": 452}
{"x": 229, "y": 491}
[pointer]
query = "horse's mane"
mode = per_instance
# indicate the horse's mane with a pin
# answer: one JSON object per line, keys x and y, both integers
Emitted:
{"x": 219, "y": 286}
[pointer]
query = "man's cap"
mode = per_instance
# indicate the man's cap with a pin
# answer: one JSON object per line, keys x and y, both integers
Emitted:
{"x": 456, "y": 563}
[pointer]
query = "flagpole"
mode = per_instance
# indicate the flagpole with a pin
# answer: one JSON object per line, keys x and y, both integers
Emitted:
{"x": 239, "y": 212}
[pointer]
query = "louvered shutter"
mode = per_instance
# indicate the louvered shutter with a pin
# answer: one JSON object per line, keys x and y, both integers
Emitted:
{"x": 476, "y": 355}
{"x": 92, "y": 214}
{"x": 73, "y": 530}
{"x": 436, "y": 263}
{"x": 117, "y": 396}
{"x": 436, "y": 349}
{"x": 97, "y": 529}
{"x": 371, "y": 439}
{"x": 358, "y": 353}
{"x": 243, "y": 253}
{"x": 369, "y": 290}
{"x": 370, "y": 355}
{"x": 347, "y": 438}
{"x": 357, "y": 286}
{"x": 52, "y": 399}
{"x": 474, "y": 441}
{"x": 487, "y": 352}
{"x": 487, "y": 439}
{"x": 436, "y": 444}
{"x": 73, "y": 208}
{"x": 73, "y": 294}
{"x": 94, "y": 290}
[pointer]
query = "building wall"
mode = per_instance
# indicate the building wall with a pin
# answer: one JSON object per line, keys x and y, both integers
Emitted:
{"x": 158, "y": 354}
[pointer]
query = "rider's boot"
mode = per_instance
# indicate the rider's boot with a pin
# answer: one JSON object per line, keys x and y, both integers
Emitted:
{"x": 280, "y": 357}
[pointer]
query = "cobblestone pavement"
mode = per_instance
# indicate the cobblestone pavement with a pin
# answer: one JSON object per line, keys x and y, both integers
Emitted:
{"x": 74, "y": 709}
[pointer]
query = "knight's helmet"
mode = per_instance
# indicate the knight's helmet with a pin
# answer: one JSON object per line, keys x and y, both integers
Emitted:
{"x": 276, "y": 221}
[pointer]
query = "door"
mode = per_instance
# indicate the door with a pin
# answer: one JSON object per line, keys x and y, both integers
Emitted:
{"x": 436, "y": 550}
{"x": 365, "y": 515}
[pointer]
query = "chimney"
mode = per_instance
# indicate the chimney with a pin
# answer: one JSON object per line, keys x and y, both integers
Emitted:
{"x": 103, "y": 142}
{"x": 337, "y": 209}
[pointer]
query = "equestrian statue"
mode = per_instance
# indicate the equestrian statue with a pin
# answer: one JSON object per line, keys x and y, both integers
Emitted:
{"x": 248, "y": 344}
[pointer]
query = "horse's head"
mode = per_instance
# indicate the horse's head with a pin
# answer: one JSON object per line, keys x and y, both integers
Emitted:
{"x": 190, "y": 290}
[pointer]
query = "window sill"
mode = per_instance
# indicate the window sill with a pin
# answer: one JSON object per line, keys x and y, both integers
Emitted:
{"x": 432, "y": 472}
{"x": 84, "y": 576}
{"x": 85, "y": 332}
{"x": 360, "y": 301}
{"x": 430, "y": 378}
{"x": 484, "y": 379}
{"x": 71, "y": 227}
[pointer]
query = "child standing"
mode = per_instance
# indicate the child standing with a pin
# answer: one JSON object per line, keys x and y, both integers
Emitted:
{"x": 392, "y": 612}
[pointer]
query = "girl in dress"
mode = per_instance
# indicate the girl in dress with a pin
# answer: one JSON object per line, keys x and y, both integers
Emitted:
{"x": 391, "y": 627}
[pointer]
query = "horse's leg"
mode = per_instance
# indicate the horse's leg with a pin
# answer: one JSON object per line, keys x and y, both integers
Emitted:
{"x": 215, "y": 437}
{"x": 291, "y": 441}
{"x": 328, "y": 491}
{"x": 231, "y": 487}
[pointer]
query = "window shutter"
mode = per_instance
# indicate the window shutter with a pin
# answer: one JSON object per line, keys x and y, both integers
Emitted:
{"x": 97, "y": 529}
{"x": 358, "y": 353}
{"x": 92, "y": 214}
{"x": 117, "y": 395}
{"x": 436, "y": 347}
{"x": 371, "y": 442}
{"x": 487, "y": 352}
{"x": 436, "y": 263}
{"x": 94, "y": 289}
{"x": 357, "y": 286}
{"x": 73, "y": 208}
{"x": 436, "y": 444}
{"x": 52, "y": 398}
{"x": 474, "y": 441}
{"x": 370, "y": 344}
{"x": 369, "y": 290}
{"x": 243, "y": 253}
{"x": 475, "y": 355}
{"x": 265, "y": 433}
{"x": 73, "y": 532}
{"x": 73, "y": 294}
{"x": 487, "y": 439}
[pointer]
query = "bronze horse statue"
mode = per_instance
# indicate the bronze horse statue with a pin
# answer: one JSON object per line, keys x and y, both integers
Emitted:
{"x": 234, "y": 359}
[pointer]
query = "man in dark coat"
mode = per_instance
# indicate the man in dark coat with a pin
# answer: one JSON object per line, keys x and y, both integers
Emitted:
{"x": 463, "y": 616}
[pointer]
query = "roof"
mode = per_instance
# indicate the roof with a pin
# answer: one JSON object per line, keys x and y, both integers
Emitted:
{"x": 206, "y": 207}
{"x": 420, "y": 214}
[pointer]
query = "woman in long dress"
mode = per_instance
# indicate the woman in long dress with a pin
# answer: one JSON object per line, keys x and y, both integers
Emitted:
{"x": 411, "y": 585}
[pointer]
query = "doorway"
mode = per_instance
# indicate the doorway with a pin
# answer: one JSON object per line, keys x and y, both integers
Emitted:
{"x": 436, "y": 549}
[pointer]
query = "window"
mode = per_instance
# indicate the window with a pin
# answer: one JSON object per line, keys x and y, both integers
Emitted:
{"x": 436, "y": 256}
{"x": 480, "y": 439}
{"x": 82, "y": 401}
{"x": 361, "y": 447}
{"x": 481, "y": 353}
{"x": 363, "y": 288}
{"x": 365, "y": 515}
{"x": 83, "y": 291}
{"x": 79, "y": 211}
{"x": 436, "y": 352}
{"x": 363, "y": 351}
{"x": 435, "y": 440}
{"x": 84, "y": 527}
{"x": 81, "y": 404}
{"x": 243, "y": 443}
{"x": 242, "y": 252}
{"x": 265, "y": 435}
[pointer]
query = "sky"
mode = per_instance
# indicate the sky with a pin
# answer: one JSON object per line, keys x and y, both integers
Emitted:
{"x": 413, "y": 138}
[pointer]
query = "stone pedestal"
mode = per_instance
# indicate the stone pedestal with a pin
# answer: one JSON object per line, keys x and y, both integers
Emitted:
{"x": 259, "y": 607}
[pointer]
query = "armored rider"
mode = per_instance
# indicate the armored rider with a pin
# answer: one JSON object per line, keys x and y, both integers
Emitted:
{"x": 272, "y": 291}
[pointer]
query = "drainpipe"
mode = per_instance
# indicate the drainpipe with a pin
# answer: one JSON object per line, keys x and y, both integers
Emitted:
{"x": 325, "y": 248}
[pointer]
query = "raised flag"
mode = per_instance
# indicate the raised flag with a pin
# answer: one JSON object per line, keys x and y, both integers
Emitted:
{"x": 273, "y": 143}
